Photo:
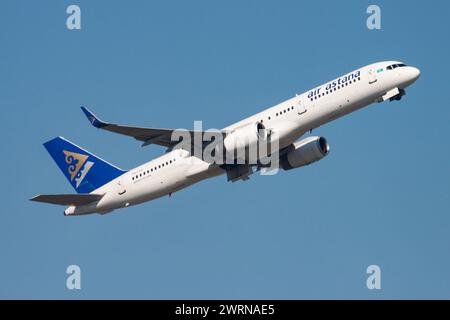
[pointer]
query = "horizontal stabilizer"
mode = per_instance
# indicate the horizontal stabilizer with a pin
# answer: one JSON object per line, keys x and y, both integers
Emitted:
{"x": 67, "y": 199}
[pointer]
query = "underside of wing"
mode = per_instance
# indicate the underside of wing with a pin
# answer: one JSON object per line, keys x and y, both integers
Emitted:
{"x": 162, "y": 137}
{"x": 67, "y": 199}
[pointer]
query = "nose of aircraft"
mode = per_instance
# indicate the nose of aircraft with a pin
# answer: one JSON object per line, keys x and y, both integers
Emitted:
{"x": 414, "y": 73}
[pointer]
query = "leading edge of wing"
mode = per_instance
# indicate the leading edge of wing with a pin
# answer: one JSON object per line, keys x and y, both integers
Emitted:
{"x": 148, "y": 136}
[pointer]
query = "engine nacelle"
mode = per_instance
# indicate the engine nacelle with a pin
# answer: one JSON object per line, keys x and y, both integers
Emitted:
{"x": 304, "y": 152}
{"x": 245, "y": 138}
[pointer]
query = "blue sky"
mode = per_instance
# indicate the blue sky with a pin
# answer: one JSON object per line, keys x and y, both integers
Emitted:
{"x": 381, "y": 197}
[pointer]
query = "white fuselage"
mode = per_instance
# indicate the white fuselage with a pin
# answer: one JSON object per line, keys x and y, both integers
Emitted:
{"x": 177, "y": 169}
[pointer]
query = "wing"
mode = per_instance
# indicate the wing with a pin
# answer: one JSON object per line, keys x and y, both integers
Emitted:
{"x": 148, "y": 136}
{"x": 67, "y": 199}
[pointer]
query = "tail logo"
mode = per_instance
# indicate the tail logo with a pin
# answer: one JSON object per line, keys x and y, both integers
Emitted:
{"x": 78, "y": 166}
{"x": 92, "y": 119}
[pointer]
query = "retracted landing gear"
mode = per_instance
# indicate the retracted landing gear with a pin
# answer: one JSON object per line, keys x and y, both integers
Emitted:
{"x": 393, "y": 94}
{"x": 399, "y": 96}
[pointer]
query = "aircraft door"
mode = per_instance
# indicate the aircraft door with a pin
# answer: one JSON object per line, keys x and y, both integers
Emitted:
{"x": 301, "y": 108}
{"x": 372, "y": 76}
{"x": 120, "y": 187}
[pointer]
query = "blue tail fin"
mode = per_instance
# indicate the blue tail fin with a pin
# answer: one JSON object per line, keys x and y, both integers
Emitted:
{"x": 85, "y": 171}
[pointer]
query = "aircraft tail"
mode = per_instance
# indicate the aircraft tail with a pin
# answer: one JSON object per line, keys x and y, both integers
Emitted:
{"x": 85, "y": 171}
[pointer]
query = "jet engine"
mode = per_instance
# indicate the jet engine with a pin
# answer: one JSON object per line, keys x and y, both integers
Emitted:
{"x": 304, "y": 152}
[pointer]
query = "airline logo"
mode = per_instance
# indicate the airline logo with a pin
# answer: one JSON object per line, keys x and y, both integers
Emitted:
{"x": 92, "y": 119}
{"x": 331, "y": 85}
{"x": 77, "y": 166}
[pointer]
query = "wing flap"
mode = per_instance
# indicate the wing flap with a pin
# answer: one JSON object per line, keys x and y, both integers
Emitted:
{"x": 67, "y": 199}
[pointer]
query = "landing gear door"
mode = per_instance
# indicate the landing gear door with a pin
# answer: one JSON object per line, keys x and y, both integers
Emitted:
{"x": 372, "y": 76}
{"x": 301, "y": 108}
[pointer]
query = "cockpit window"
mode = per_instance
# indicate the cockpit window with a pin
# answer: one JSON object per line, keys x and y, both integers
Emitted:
{"x": 393, "y": 66}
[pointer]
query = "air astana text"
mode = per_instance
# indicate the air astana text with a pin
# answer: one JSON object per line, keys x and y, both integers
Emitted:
{"x": 333, "y": 84}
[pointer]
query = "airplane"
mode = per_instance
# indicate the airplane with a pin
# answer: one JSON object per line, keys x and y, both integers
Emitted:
{"x": 102, "y": 187}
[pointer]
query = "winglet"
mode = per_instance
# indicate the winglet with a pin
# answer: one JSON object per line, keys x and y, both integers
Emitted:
{"x": 96, "y": 122}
